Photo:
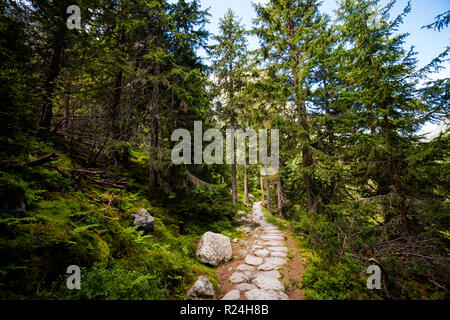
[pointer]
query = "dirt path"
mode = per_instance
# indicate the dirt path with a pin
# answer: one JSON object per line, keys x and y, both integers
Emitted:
{"x": 261, "y": 267}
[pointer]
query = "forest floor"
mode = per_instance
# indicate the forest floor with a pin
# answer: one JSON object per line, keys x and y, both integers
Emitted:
{"x": 266, "y": 264}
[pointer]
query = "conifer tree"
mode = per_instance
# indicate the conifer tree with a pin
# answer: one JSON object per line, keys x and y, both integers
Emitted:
{"x": 289, "y": 31}
{"x": 230, "y": 68}
{"x": 381, "y": 94}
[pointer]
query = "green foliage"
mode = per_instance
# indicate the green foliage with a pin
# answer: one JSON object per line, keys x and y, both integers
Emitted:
{"x": 357, "y": 181}
{"x": 339, "y": 282}
{"x": 14, "y": 191}
{"x": 117, "y": 283}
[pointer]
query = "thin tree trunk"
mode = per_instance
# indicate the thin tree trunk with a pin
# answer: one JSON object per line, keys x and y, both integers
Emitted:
{"x": 50, "y": 80}
{"x": 262, "y": 191}
{"x": 397, "y": 180}
{"x": 233, "y": 126}
{"x": 67, "y": 108}
{"x": 245, "y": 183}
{"x": 154, "y": 123}
{"x": 269, "y": 205}
{"x": 279, "y": 193}
{"x": 307, "y": 161}
{"x": 115, "y": 127}
{"x": 234, "y": 183}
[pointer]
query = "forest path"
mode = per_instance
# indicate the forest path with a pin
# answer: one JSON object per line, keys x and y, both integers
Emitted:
{"x": 254, "y": 274}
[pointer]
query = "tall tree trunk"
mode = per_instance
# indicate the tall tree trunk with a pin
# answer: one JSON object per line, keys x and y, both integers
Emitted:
{"x": 67, "y": 107}
{"x": 233, "y": 126}
{"x": 397, "y": 180}
{"x": 245, "y": 183}
{"x": 115, "y": 127}
{"x": 234, "y": 183}
{"x": 117, "y": 96}
{"x": 269, "y": 204}
{"x": 279, "y": 193}
{"x": 154, "y": 109}
{"x": 262, "y": 190}
{"x": 50, "y": 80}
{"x": 307, "y": 160}
{"x": 154, "y": 131}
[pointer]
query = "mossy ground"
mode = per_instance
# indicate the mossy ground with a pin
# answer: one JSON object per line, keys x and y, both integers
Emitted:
{"x": 72, "y": 222}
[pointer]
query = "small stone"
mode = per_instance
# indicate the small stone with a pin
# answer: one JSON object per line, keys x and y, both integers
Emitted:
{"x": 273, "y": 243}
{"x": 270, "y": 274}
{"x": 252, "y": 260}
{"x": 273, "y": 232}
{"x": 283, "y": 296}
{"x": 232, "y": 295}
{"x": 202, "y": 288}
{"x": 238, "y": 277}
{"x": 278, "y": 254}
{"x": 143, "y": 220}
{"x": 245, "y": 286}
{"x": 262, "y": 253}
{"x": 260, "y": 294}
{"x": 272, "y": 263}
{"x": 267, "y": 283}
{"x": 283, "y": 249}
{"x": 245, "y": 267}
{"x": 243, "y": 253}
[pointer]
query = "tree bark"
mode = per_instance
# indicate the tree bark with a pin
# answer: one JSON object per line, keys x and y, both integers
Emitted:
{"x": 233, "y": 126}
{"x": 245, "y": 183}
{"x": 307, "y": 160}
{"x": 154, "y": 111}
{"x": 262, "y": 191}
{"x": 66, "y": 108}
{"x": 234, "y": 183}
{"x": 115, "y": 127}
{"x": 50, "y": 79}
{"x": 269, "y": 204}
{"x": 279, "y": 193}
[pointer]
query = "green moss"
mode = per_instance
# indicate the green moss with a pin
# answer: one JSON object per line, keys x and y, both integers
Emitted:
{"x": 91, "y": 226}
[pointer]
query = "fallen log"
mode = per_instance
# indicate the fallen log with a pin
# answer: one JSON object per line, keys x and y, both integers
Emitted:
{"x": 119, "y": 184}
{"x": 87, "y": 174}
{"x": 47, "y": 158}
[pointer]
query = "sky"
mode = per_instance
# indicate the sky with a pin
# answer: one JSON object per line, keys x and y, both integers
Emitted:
{"x": 428, "y": 43}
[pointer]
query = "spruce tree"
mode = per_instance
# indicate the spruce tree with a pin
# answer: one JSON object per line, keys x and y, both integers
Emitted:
{"x": 230, "y": 72}
{"x": 290, "y": 32}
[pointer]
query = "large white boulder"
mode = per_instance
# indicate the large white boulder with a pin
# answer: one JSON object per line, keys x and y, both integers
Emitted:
{"x": 214, "y": 249}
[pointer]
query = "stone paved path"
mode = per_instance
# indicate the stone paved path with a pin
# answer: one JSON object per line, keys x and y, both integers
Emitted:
{"x": 258, "y": 278}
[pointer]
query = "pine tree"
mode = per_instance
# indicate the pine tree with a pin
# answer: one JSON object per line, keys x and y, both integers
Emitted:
{"x": 289, "y": 31}
{"x": 230, "y": 71}
{"x": 381, "y": 95}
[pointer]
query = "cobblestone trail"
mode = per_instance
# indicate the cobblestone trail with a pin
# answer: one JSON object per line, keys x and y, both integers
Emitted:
{"x": 258, "y": 278}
